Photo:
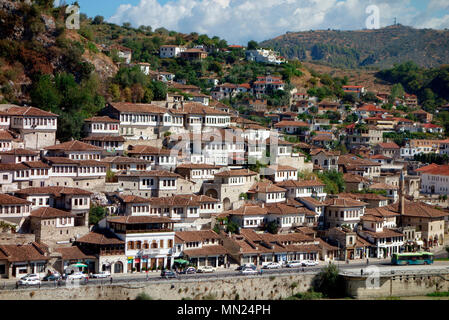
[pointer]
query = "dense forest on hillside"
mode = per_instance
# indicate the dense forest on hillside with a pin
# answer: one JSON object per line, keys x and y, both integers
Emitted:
{"x": 381, "y": 48}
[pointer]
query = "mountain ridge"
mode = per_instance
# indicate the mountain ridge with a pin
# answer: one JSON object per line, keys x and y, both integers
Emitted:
{"x": 377, "y": 48}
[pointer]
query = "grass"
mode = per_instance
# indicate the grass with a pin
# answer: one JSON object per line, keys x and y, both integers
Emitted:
{"x": 441, "y": 259}
{"x": 438, "y": 294}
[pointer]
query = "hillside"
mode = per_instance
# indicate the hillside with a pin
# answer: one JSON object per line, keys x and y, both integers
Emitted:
{"x": 379, "y": 49}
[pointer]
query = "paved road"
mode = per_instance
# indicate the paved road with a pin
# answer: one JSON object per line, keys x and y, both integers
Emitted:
{"x": 135, "y": 279}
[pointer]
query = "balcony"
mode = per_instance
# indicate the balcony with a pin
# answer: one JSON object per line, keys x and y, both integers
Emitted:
{"x": 112, "y": 252}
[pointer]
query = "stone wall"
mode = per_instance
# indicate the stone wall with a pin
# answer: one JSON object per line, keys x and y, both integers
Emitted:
{"x": 260, "y": 287}
{"x": 396, "y": 286}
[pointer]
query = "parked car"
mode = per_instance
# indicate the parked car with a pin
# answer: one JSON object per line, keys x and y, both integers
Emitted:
{"x": 205, "y": 269}
{"x": 167, "y": 274}
{"x": 29, "y": 280}
{"x": 102, "y": 274}
{"x": 190, "y": 270}
{"x": 272, "y": 265}
{"x": 309, "y": 263}
{"x": 248, "y": 271}
{"x": 76, "y": 276}
{"x": 52, "y": 277}
{"x": 294, "y": 264}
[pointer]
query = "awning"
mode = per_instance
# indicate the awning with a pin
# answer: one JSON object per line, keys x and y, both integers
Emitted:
{"x": 181, "y": 261}
{"x": 78, "y": 265}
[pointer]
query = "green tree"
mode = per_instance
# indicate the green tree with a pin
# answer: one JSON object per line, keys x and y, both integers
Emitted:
{"x": 252, "y": 45}
{"x": 272, "y": 227}
{"x": 96, "y": 213}
{"x": 329, "y": 282}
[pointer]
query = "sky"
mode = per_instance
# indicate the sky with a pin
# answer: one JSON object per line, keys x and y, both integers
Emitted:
{"x": 239, "y": 21}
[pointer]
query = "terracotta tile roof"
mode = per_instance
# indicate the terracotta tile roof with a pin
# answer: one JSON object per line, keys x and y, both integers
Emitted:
{"x": 383, "y": 186}
{"x": 265, "y": 186}
{"x": 91, "y": 163}
{"x": 30, "y": 111}
{"x": 56, "y": 191}
{"x": 346, "y": 203}
{"x": 12, "y": 167}
{"x": 352, "y": 160}
{"x": 282, "y": 168}
{"x": 286, "y": 123}
{"x": 236, "y": 173}
{"x": 36, "y": 164}
{"x": 386, "y": 233}
{"x": 382, "y": 212}
{"x": 315, "y": 152}
{"x": 388, "y": 145}
{"x": 442, "y": 170}
{"x": 182, "y": 200}
{"x": 74, "y": 146}
{"x": 73, "y": 253}
{"x": 248, "y": 210}
{"x": 20, "y": 152}
{"x": 363, "y": 196}
{"x": 104, "y": 119}
{"x": 353, "y": 178}
{"x": 417, "y": 209}
{"x": 282, "y": 209}
{"x": 5, "y": 135}
{"x": 102, "y": 238}
{"x": 194, "y": 236}
{"x": 134, "y": 199}
{"x": 300, "y": 183}
{"x": 198, "y": 109}
{"x": 369, "y": 217}
{"x": 48, "y": 213}
{"x": 60, "y": 160}
{"x": 138, "y": 108}
{"x": 139, "y": 219}
{"x": 6, "y": 199}
{"x": 313, "y": 201}
{"x": 124, "y": 160}
{"x": 19, "y": 253}
{"x": 147, "y": 150}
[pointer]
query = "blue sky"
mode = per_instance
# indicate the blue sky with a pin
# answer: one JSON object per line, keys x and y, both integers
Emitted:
{"x": 238, "y": 21}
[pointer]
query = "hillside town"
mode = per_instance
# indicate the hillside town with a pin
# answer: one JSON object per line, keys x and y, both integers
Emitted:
{"x": 194, "y": 180}
{"x": 222, "y": 179}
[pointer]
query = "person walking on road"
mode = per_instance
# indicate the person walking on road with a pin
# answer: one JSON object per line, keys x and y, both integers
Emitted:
{"x": 111, "y": 280}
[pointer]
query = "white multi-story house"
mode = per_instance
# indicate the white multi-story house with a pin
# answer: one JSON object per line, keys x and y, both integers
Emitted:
{"x": 19, "y": 156}
{"x": 435, "y": 180}
{"x": 5, "y": 140}
{"x": 303, "y": 189}
{"x": 264, "y": 56}
{"x": 265, "y": 85}
{"x": 75, "y": 150}
{"x": 267, "y": 192}
{"x": 327, "y": 160}
{"x": 116, "y": 164}
{"x": 14, "y": 210}
{"x": 343, "y": 212}
{"x": 112, "y": 144}
{"x": 149, "y": 241}
{"x": 158, "y": 158}
{"x": 102, "y": 126}
{"x": 170, "y": 51}
{"x": 36, "y": 127}
{"x": 385, "y": 242}
{"x": 278, "y": 173}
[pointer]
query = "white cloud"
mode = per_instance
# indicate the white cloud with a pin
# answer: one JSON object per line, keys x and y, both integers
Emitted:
{"x": 238, "y": 21}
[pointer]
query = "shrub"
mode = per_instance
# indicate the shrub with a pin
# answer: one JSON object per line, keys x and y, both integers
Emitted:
{"x": 143, "y": 296}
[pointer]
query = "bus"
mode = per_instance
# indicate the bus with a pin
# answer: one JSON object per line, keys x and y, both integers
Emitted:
{"x": 412, "y": 258}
